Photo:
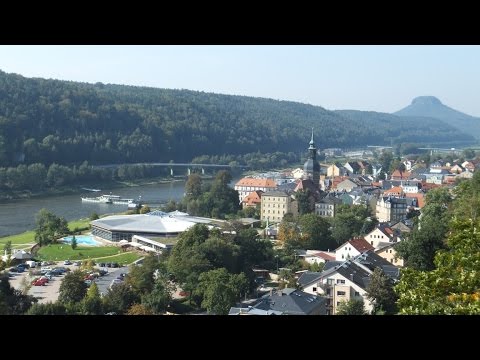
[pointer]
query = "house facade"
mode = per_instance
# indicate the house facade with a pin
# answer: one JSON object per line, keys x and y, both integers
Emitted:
{"x": 390, "y": 254}
{"x": 352, "y": 248}
{"x": 246, "y": 185}
{"x": 391, "y": 209}
{"x": 275, "y": 204}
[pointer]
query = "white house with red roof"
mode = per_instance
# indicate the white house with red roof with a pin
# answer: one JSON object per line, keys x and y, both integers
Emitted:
{"x": 352, "y": 248}
{"x": 246, "y": 185}
{"x": 315, "y": 256}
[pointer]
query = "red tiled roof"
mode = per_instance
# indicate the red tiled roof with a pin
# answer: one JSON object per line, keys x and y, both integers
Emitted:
{"x": 394, "y": 190}
{"x": 400, "y": 175}
{"x": 420, "y": 198}
{"x": 267, "y": 183}
{"x": 324, "y": 256}
{"x": 360, "y": 244}
{"x": 253, "y": 198}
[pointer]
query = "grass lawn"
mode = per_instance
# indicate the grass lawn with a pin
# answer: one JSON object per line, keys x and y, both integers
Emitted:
{"x": 64, "y": 251}
{"x": 125, "y": 258}
{"x": 29, "y": 236}
{"x": 23, "y": 238}
{"x": 79, "y": 224}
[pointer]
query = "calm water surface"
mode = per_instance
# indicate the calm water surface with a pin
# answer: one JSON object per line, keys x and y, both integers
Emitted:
{"x": 17, "y": 216}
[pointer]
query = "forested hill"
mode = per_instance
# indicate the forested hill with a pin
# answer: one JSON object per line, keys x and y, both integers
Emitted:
{"x": 408, "y": 129}
{"x": 431, "y": 106}
{"x": 67, "y": 122}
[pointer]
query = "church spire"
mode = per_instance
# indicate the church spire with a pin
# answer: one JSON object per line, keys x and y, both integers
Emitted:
{"x": 311, "y": 141}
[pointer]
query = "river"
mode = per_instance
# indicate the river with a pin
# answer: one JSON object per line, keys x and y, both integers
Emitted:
{"x": 17, "y": 216}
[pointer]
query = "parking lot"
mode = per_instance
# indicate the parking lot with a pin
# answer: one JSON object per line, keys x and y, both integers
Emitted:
{"x": 50, "y": 291}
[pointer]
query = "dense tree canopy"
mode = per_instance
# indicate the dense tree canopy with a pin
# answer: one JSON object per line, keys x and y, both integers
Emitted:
{"x": 47, "y": 121}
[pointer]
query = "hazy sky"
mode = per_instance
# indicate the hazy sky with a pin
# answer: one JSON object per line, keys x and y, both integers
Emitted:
{"x": 377, "y": 78}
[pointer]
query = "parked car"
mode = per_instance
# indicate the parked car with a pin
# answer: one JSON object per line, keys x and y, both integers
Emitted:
{"x": 77, "y": 263}
{"x": 115, "y": 265}
{"x": 101, "y": 264}
{"x": 14, "y": 270}
{"x": 67, "y": 262}
{"x": 39, "y": 282}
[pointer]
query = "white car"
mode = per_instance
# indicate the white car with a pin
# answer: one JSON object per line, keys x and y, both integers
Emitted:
{"x": 67, "y": 262}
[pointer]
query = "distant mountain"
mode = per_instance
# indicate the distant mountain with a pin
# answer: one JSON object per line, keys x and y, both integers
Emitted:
{"x": 430, "y": 106}
{"x": 408, "y": 129}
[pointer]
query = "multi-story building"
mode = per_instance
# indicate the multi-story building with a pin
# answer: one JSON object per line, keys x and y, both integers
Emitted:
{"x": 275, "y": 204}
{"x": 391, "y": 209}
{"x": 347, "y": 280}
{"x": 327, "y": 206}
{"x": 246, "y": 185}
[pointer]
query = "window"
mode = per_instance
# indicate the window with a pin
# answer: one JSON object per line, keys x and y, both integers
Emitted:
{"x": 338, "y": 303}
{"x": 371, "y": 242}
{"x": 330, "y": 281}
{"x": 328, "y": 291}
{"x": 357, "y": 293}
{"x": 339, "y": 281}
{"x": 340, "y": 293}
{"x": 314, "y": 289}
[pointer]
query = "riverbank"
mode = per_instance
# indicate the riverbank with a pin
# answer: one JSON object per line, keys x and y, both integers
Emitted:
{"x": 78, "y": 189}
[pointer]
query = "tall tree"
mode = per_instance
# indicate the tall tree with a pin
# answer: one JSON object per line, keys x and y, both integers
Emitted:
{"x": 72, "y": 288}
{"x": 419, "y": 248}
{"x": 193, "y": 186}
{"x": 316, "y": 233}
{"x": 220, "y": 290}
{"x": 49, "y": 227}
{"x": 380, "y": 291}
{"x": 160, "y": 297}
{"x": 74, "y": 242}
{"x": 92, "y": 303}
{"x": 7, "y": 248}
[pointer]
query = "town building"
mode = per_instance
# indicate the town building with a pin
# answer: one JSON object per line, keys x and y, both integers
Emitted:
{"x": 246, "y": 185}
{"x": 275, "y": 204}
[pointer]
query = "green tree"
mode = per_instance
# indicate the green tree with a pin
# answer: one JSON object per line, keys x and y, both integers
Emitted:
{"x": 139, "y": 309}
{"x": 315, "y": 232}
{"x": 141, "y": 278}
{"x": 351, "y": 221}
{"x": 193, "y": 187}
{"x": 352, "y": 307}
{"x": 419, "y": 248}
{"x": 49, "y": 308}
{"x": 12, "y": 301}
{"x": 305, "y": 203}
{"x": 380, "y": 292}
{"x": 49, "y": 227}
{"x": 74, "y": 242}
{"x": 452, "y": 287}
{"x": 220, "y": 290}
{"x": 119, "y": 298}
{"x": 94, "y": 216}
{"x": 72, "y": 288}
{"x": 468, "y": 153}
{"x": 7, "y": 248}
{"x": 160, "y": 297}
{"x": 92, "y": 303}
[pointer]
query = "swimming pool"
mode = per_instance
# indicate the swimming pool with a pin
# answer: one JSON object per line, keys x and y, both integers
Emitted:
{"x": 82, "y": 240}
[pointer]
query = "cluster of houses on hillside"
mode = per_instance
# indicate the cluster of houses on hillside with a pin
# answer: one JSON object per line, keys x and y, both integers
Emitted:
{"x": 355, "y": 182}
{"x": 345, "y": 276}
{"x": 347, "y": 270}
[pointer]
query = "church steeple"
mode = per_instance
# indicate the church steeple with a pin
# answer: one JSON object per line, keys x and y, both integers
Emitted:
{"x": 311, "y": 167}
{"x": 312, "y": 143}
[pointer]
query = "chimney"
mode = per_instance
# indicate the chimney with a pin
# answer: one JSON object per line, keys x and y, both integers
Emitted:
{"x": 351, "y": 277}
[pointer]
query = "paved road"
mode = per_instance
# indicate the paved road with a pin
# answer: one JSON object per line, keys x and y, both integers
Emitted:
{"x": 103, "y": 282}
